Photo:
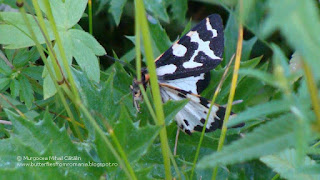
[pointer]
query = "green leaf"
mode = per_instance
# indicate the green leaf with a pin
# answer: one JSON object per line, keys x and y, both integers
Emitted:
{"x": 231, "y": 37}
{"x": 260, "y": 110}
{"x": 78, "y": 44}
{"x": 88, "y": 40}
{"x": 156, "y": 51}
{"x": 179, "y": 9}
{"x": 104, "y": 100}
{"x": 4, "y": 68}
{"x": 14, "y": 88}
{"x": 129, "y": 56}
{"x": 269, "y": 138}
{"x": 83, "y": 47}
{"x": 23, "y": 56}
{"x": 186, "y": 28}
{"x": 66, "y": 13}
{"x": 261, "y": 75}
{"x": 135, "y": 141}
{"x": 116, "y": 7}
{"x": 3, "y": 83}
{"x": 85, "y": 57}
{"x": 43, "y": 139}
{"x": 299, "y": 26}
{"x": 157, "y": 8}
{"x": 34, "y": 72}
{"x": 285, "y": 163}
{"x": 13, "y": 30}
{"x": 48, "y": 86}
{"x": 312, "y": 169}
{"x": 26, "y": 92}
{"x": 30, "y": 114}
{"x": 216, "y": 76}
{"x": 159, "y": 36}
{"x": 171, "y": 108}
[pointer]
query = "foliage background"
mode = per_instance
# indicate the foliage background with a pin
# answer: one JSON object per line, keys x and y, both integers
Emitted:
{"x": 278, "y": 84}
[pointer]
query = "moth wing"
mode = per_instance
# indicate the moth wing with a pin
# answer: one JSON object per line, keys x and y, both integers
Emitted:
{"x": 197, "y": 52}
{"x": 192, "y": 117}
{"x": 193, "y": 84}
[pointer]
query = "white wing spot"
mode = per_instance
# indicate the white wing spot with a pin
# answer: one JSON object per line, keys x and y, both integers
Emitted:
{"x": 202, "y": 46}
{"x": 167, "y": 69}
{"x": 179, "y": 50}
{"x": 209, "y": 28}
{"x": 191, "y": 64}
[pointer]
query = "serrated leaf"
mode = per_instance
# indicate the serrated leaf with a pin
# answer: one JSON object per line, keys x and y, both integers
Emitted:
{"x": 116, "y": 7}
{"x": 26, "y": 92}
{"x": 34, "y": 72}
{"x": 285, "y": 163}
{"x": 84, "y": 48}
{"x": 269, "y": 138}
{"x": 23, "y": 56}
{"x": 135, "y": 141}
{"x": 30, "y": 114}
{"x": 86, "y": 60}
{"x": 4, "y": 68}
{"x": 104, "y": 100}
{"x": 13, "y": 148}
{"x": 43, "y": 139}
{"x": 14, "y": 88}
{"x": 260, "y": 110}
{"x": 3, "y": 83}
{"x": 186, "y": 148}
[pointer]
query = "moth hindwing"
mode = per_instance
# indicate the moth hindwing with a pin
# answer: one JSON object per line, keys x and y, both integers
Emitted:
{"x": 184, "y": 71}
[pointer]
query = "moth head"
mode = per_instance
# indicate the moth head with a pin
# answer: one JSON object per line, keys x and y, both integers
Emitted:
{"x": 135, "y": 89}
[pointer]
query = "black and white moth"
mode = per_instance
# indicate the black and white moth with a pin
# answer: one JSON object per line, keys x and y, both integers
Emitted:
{"x": 184, "y": 72}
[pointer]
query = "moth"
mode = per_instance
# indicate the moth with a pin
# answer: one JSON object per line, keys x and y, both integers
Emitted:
{"x": 184, "y": 72}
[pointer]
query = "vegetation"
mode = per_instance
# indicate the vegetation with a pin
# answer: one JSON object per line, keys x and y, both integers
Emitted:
{"x": 66, "y": 109}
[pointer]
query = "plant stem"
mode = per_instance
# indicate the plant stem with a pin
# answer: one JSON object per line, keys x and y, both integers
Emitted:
{"x": 233, "y": 87}
{"x": 209, "y": 112}
{"x": 61, "y": 50}
{"x": 123, "y": 161}
{"x": 154, "y": 85}
{"x": 90, "y": 16}
{"x": 313, "y": 93}
{"x": 57, "y": 67}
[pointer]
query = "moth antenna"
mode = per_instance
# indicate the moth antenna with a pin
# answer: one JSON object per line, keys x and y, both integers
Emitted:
{"x": 131, "y": 68}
